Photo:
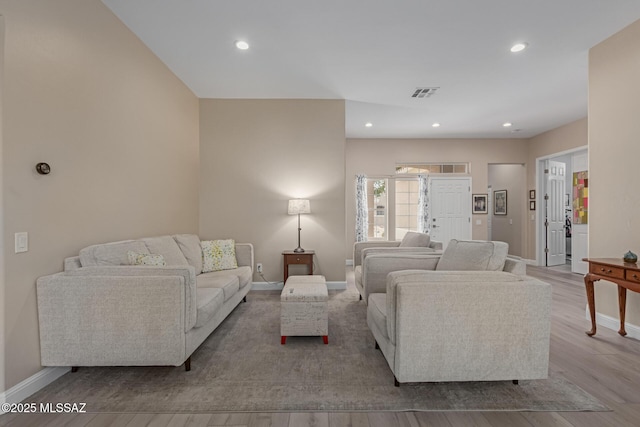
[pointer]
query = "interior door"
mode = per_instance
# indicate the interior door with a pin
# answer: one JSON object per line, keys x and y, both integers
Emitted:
{"x": 555, "y": 248}
{"x": 450, "y": 208}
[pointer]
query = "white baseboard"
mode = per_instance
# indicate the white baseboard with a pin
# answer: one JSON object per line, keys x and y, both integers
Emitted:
{"x": 34, "y": 383}
{"x": 530, "y": 261}
{"x": 633, "y": 331}
{"x": 265, "y": 286}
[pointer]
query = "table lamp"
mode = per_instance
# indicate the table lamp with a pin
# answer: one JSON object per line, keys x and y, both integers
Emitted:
{"x": 299, "y": 206}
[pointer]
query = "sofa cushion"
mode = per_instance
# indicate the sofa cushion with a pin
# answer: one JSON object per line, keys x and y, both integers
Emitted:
{"x": 209, "y": 302}
{"x": 218, "y": 255}
{"x": 167, "y": 247}
{"x": 189, "y": 244}
{"x": 136, "y": 258}
{"x": 111, "y": 253}
{"x": 415, "y": 240}
{"x": 377, "y": 311}
{"x": 474, "y": 255}
{"x": 227, "y": 282}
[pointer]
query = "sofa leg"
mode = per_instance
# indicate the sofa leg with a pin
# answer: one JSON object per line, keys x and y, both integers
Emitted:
{"x": 244, "y": 299}
{"x": 377, "y": 346}
{"x": 187, "y": 364}
{"x": 360, "y": 297}
{"x": 515, "y": 382}
{"x": 325, "y": 338}
{"x": 395, "y": 381}
{"x": 283, "y": 340}
{"x": 74, "y": 369}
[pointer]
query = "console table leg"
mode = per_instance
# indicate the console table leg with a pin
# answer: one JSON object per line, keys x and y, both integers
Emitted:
{"x": 591, "y": 300}
{"x": 622, "y": 305}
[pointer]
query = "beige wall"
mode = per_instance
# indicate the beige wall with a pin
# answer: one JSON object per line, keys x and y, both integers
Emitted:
{"x": 120, "y": 132}
{"x": 378, "y": 157}
{"x": 258, "y": 154}
{"x": 509, "y": 228}
{"x": 568, "y": 137}
{"x": 614, "y": 150}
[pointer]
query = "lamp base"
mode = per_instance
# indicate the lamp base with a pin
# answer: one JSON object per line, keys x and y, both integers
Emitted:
{"x": 298, "y": 250}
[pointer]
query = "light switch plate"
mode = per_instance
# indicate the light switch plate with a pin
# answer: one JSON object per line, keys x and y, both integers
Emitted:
{"x": 22, "y": 242}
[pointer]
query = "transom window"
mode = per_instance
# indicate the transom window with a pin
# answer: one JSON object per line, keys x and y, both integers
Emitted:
{"x": 432, "y": 168}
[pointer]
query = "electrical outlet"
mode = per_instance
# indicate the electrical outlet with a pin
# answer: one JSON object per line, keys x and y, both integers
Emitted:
{"x": 259, "y": 267}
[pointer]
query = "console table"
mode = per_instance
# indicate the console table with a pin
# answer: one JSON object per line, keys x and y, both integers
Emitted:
{"x": 291, "y": 257}
{"x": 623, "y": 274}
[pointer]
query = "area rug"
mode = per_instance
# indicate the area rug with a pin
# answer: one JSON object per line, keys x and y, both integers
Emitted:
{"x": 243, "y": 367}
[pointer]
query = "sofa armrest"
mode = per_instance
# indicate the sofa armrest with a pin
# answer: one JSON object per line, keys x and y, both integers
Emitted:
{"x": 376, "y": 267}
{"x": 359, "y": 246}
{"x": 128, "y": 273}
{"x": 244, "y": 255}
{"x": 93, "y": 320}
{"x": 515, "y": 265}
{"x": 435, "y": 245}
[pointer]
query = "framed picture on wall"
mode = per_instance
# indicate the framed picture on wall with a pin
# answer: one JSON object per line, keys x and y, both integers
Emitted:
{"x": 500, "y": 202}
{"x": 479, "y": 203}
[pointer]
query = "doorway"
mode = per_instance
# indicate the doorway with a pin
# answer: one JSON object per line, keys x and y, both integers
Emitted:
{"x": 561, "y": 239}
{"x": 506, "y": 184}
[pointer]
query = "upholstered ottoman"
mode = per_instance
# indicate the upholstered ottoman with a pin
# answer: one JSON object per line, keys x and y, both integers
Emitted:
{"x": 304, "y": 308}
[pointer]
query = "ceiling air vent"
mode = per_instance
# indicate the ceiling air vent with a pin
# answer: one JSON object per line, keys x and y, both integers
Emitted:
{"x": 424, "y": 92}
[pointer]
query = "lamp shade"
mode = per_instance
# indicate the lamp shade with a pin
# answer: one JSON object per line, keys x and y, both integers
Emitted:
{"x": 299, "y": 206}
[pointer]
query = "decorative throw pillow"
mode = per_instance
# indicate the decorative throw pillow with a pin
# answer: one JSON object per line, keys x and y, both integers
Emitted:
{"x": 136, "y": 258}
{"x": 415, "y": 240}
{"x": 218, "y": 255}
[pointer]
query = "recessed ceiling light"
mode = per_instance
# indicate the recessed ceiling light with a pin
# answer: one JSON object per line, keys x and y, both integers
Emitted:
{"x": 435, "y": 125}
{"x": 518, "y": 47}
{"x": 368, "y": 124}
{"x": 242, "y": 45}
{"x": 507, "y": 124}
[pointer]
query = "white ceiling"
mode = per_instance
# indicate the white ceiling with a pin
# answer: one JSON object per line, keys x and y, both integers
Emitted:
{"x": 374, "y": 53}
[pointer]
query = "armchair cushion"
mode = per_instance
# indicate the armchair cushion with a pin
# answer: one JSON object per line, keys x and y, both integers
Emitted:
{"x": 415, "y": 240}
{"x": 473, "y": 255}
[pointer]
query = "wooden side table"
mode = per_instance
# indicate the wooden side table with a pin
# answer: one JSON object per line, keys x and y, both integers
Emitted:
{"x": 625, "y": 275}
{"x": 291, "y": 257}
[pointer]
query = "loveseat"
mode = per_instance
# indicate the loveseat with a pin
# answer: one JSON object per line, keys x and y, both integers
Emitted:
{"x": 411, "y": 243}
{"x": 468, "y": 320}
{"x": 103, "y": 311}
{"x": 371, "y": 276}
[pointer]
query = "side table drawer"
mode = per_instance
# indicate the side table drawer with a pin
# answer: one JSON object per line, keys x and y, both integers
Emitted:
{"x": 297, "y": 259}
{"x": 606, "y": 270}
{"x": 633, "y": 276}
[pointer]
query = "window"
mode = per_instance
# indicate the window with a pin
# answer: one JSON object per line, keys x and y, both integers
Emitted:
{"x": 432, "y": 168}
{"x": 406, "y": 206}
{"x": 377, "y": 207}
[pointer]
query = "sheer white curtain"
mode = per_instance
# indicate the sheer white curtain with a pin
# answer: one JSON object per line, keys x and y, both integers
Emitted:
{"x": 362, "y": 212}
{"x": 423, "y": 204}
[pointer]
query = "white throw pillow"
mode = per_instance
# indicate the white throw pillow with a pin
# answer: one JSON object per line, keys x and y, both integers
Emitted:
{"x": 136, "y": 258}
{"x": 415, "y": 240}
{"x": 218, "y": 255}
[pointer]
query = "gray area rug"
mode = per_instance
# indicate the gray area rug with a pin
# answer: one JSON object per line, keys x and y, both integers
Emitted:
{"x": 243, "y": 367}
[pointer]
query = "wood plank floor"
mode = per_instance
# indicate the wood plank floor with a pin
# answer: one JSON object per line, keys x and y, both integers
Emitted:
{"x": 607, "y": 366}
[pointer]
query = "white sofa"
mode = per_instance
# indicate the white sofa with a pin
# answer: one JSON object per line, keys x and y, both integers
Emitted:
{"x": 412, "y": 243}
{"x": 371, "y": 276}
{"x": 103, "y": 312}
{"x": 469, "y": 320}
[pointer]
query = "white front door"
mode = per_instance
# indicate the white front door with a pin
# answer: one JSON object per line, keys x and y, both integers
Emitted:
{"x": 555, "y": 173}
{"x": 450, "y": 208}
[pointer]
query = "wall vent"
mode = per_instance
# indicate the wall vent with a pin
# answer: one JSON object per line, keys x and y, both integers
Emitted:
{"x": 424, "y": 92}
